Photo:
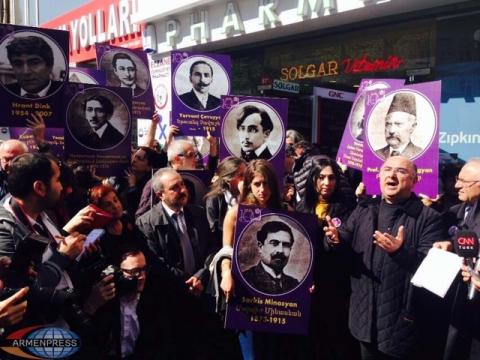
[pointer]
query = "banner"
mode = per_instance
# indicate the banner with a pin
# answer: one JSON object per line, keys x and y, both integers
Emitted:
{"x": 198, "y": 82}
{"x": 98, "y": 127}
{"x": 33, "y": 73}
{"x": 128, "y": 69}
{"x": 404, "y": 122}
{"x": 54, "y": 137}
{"x": 272, "y": 267}
{"x": 350, "y": 151}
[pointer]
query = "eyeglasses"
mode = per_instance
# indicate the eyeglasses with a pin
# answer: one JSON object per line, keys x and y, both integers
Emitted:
{"x": 461, "y": 181}
{"x": 135, "y": 273}
{"x": 189, "y": 154}
{"x": 397, "y": 170}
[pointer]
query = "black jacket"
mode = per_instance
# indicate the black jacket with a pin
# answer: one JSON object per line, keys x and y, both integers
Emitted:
{"x": 385, "y": 308}
{"x": 191, "y": 100}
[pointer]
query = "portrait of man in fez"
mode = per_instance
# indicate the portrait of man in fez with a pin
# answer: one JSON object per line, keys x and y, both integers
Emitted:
{"x": 199, "y": 98}
{"x": 274, "y": 240}
{"x": 400, "y": 123}
{"x": 32, "y": 60}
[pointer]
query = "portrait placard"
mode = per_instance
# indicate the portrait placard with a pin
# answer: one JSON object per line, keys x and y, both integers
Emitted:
{"x": 128, "y": 69}
{"x": 98, "y": 127}
{"x": 350, "y": 151}
{"x": 272, "y": 267}
{"x": 33, "y": 73}
{"x": 404, "y": 122}
{"x": 254, "y": 128}
{"x": 198, "y": 83}
{"x": 87, "y": 76}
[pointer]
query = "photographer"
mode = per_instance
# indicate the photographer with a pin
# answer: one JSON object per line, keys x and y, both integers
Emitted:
{"x": 40, "y": 254}
{"x": 127, "y": 310}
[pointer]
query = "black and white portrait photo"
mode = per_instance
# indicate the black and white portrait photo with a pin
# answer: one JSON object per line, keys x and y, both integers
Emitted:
{"x": 253, "y": 130}
{"x": 98, "y": 119}
{"x": 34, "y": 65}
{"x": 274, "y": 255}
{"x": 403, "y": 123}
{"x": 199, "y": 82}
{"x": 125, "y": 69}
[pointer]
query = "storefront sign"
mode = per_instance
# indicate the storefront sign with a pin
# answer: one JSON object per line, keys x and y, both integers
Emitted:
{"x": 286, "y": 86}
{"x": 99, "y": 21}
{"x": 333, "y": 94}
{"x": 346, "y": 66}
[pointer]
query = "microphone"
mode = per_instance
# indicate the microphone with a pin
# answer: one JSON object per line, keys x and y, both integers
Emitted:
{"x": 466, "y": 246}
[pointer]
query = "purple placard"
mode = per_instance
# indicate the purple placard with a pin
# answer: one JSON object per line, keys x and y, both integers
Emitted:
{"x": 87, "y": 76}
{"x": 419, "y": 138}
{"x": 98, "y": 127}
{"x": 25, "y": 89}
{"x": 262, "y": 303}
{"x": 54, "y": 137}
{"x": 350, "y": 151}
{"x": 211, "y": 78}
{"x": 132, "y": 72}
{"x": 259, "y": 142}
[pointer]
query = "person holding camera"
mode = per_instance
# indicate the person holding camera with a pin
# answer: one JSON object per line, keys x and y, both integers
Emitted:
{"x": 127, "y": 310}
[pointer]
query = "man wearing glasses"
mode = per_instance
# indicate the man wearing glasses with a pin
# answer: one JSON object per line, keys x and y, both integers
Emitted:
{"x": 385, "y": 239}
{"x": 127, "y": 311}
{"x": 463, "y": 340}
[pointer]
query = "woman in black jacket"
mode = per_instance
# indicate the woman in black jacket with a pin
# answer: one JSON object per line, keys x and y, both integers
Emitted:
{"x": 327, "y": 193}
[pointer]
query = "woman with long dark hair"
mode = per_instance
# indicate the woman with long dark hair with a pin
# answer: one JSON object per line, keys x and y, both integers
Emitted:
{"x": 327, "y": 193}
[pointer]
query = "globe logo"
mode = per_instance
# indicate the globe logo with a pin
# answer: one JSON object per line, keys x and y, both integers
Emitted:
{"x": 53, "y": 343}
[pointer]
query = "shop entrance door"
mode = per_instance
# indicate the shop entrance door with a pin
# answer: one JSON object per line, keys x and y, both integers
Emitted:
{"x": 330, "y": 113}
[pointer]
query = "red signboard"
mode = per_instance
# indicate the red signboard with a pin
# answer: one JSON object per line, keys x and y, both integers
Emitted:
{"x": 99, "y": 21}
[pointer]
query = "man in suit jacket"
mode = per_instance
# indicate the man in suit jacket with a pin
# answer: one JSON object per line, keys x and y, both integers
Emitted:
{"x": 275, "y": 240}
{"x": 179, "y": 243}
{"x": 126, "y": 71}
{"x": 32, "y": 61}
{"x": 103, "y": 135}
{"x": 254, "y": 126}
{"x": 400, "y": 122}
{"x": 463, "y": 340}
{"x": 201, "y": 76}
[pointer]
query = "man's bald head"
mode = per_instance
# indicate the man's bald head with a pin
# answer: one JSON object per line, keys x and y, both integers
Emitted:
{"x": 468, "y": 181}
{"x": 398, "y": 175}
{"x": 9, "y": 150}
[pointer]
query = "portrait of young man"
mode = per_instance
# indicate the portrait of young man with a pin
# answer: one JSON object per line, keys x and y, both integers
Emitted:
{"x": 125, "y": 70}
{"x": 98, "y": 111}
{"x": 32, "y": 59}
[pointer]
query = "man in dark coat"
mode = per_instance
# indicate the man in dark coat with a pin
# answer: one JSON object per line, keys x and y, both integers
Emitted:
{"x": 125, "y": 70}
{"x": 385, "y": 241}
{"x": 179, "y": 245}
{"x": 32, "y": 61}
{"x": 275, "y": 240}
{"x": 102, "y": 134}
{"x": 199, "y": 98}
{"x": 463, "y": 340}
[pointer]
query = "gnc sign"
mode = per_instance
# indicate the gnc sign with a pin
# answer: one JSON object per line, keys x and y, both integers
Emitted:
{"x": 99, "y": 21}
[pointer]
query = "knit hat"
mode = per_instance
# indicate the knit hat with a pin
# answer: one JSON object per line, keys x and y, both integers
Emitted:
{"x": 404, "y": 102}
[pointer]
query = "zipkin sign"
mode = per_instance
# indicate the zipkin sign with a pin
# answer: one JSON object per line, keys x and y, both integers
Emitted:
{"x": 99, "y": 21}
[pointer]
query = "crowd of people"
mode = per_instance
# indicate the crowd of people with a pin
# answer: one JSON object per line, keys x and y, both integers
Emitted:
{"x": 153, "y": 278}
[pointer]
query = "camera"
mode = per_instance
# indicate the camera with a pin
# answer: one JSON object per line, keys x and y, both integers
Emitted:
{"x": 123, "y": 285}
